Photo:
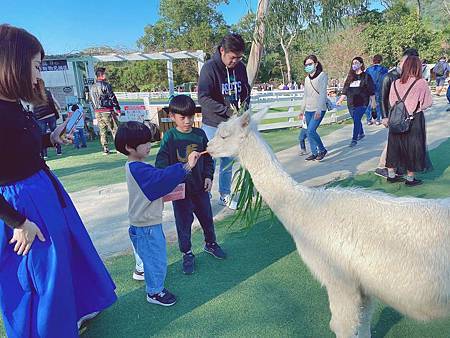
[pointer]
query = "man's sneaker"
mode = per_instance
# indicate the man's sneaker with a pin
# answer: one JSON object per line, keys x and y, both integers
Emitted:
{"x": 321, "y": 155}
{"x": 164, "y": 298}
{"x": 360, "y": 137}
{"x": 105, "y": 151}
{"x": 138, "y": 275}
{"x": 215, "y": 250}
{"x": 352, "y": 144}
{"x": 59, "y": 153}
{"x": 413, "y": 183}
{"x": 378, "y": 123}
{"x": 227, "y": 201}
{"x": 369, "y": 123}
{"x": 395, "y": 179}
{"x": 311, "y": 157}
{"x": 382, "y": 172}
{"x": 188, "y": 263}
{"x": 85, "y": 318}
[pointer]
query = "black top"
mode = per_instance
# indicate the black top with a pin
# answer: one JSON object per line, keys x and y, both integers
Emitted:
{"x": 220, "y": 89}
{"x": 359, "y": 91}
{"x": 20, "y": 145}
{"x": 385, "y": 90}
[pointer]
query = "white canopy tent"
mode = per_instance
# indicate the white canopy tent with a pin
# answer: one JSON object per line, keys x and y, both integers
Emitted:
{"x": 199, "y": 55}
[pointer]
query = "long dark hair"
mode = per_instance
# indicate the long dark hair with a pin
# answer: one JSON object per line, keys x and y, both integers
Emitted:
{"x": 319, "y": 68}
{"x": 351, "y": 76}
{"x": 17, "y": 49}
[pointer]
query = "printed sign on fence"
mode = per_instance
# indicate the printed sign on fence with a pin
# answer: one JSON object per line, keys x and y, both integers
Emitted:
{"x": 178, "y": 193}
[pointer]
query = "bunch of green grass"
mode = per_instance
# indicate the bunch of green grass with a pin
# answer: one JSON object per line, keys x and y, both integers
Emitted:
{"x": 250, "y": 202}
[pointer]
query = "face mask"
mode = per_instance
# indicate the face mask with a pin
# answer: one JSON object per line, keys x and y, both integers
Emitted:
{"x": 310, "y": 68}
{"x": 356, "y": 67}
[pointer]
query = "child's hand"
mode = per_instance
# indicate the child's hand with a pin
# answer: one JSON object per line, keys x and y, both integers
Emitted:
{"x": 208, "y": 184}
{"x": 193, "y": 158}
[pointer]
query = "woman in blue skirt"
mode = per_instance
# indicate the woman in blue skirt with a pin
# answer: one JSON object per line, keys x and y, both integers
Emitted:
{"x": 51, "y": 276}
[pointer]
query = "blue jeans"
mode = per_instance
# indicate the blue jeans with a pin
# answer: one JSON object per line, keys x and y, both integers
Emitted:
{"x": 48, "y": 123}
{"x": 184, "y": 210}
{"x": 357, "y": 113}
{"x": 226, "y": 165}
{"x": 150, "y": 245}
{"x": 314, "y": 139}
{"x": 79, "y": 136}
{"x": 302, "y": 137}
{"x": 378, "y": 109}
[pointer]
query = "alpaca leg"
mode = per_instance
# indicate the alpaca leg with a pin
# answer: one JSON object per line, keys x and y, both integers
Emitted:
{"x": 365, "y": 317}
{"x": 345, "y": 306}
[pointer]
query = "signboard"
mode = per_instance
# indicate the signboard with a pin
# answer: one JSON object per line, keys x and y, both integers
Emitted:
{"x": 54, "y": 65}
{"x": 138, "y": 113}
{"x": 62, "y": 93}
{"x": 89, "y": 81}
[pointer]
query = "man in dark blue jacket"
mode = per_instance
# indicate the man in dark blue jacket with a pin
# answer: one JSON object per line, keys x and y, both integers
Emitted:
{"x": 223, "y": 89}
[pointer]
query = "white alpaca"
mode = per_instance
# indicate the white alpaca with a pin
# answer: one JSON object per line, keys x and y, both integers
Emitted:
{"x": 359, "y": 244}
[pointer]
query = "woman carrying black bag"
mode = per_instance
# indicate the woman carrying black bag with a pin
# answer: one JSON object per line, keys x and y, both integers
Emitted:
{"x": 407, "y": 148}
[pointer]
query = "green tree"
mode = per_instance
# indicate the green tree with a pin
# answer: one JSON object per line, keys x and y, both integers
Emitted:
{"x": 392, "y": 36}
{"x": 185, "y": 25}
{"x": 287, "y": 19}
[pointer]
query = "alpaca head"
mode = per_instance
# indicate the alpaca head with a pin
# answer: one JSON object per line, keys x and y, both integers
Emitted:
{"x": 230, "y": 135}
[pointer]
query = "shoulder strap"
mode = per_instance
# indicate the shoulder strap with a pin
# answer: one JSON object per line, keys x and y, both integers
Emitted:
{"x": 409, "y": 89}
{"x": 310, "y": 81}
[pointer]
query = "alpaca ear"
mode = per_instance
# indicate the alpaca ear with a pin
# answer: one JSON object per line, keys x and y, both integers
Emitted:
{"x": 245, "y": 119}
{"x": 257, "y": 117}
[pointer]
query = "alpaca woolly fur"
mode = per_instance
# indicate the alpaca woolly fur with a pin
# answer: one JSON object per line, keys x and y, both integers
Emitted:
{"x": 359, "y": 244}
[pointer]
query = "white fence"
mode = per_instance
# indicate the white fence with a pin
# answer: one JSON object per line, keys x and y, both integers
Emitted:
{"x": 289, "y": 99}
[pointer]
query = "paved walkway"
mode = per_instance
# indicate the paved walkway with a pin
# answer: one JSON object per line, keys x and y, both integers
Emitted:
{"x": 104, "y": 210}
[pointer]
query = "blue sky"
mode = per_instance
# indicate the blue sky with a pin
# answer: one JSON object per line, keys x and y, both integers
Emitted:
{"x": 70, "y": 26}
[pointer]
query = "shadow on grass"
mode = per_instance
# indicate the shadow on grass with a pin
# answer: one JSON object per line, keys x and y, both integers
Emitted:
{"x": 388, "y": 319}
{"x": 249, "y": 252}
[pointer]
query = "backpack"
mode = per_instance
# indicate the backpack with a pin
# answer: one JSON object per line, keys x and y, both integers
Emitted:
{"x": 105, "y": 98}
{"x": 439, "y": 69}
{"x": 399, "y": 118}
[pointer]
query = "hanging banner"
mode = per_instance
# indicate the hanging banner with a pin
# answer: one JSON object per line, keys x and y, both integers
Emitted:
{"x": 54, "y": 65}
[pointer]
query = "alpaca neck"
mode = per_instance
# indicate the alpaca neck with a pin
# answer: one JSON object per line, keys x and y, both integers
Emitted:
{"x": 276, "y": 187}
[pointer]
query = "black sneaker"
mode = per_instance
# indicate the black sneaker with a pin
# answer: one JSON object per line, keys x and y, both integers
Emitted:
{"x": 138, "y": 275}
{"x": 321, "y": 155}
{"x": 352, "y": 144}
{"x": 382, "y": 172}
{"x": 215, "y": 250}
{"x": 413, "y": 183}
{"x": 188, "y": 263}
{"x": 395, "y": 179}
{"x": 164, "y": 298}
{"x": 360, "y": 137}
{"x": 311, "y": 157}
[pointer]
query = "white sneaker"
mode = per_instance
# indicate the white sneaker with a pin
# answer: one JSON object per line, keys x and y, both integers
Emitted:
{"x": 87, "y": 317}
{"x": 138, "y": 275}
{"x": 227, "y": 201}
